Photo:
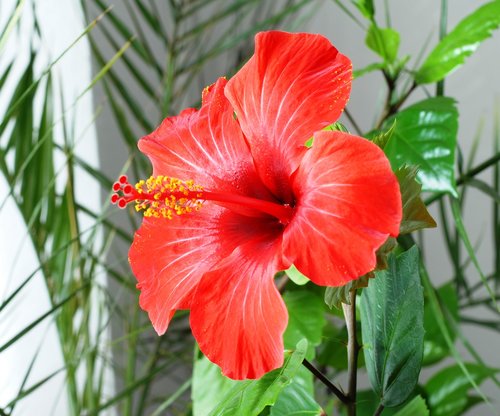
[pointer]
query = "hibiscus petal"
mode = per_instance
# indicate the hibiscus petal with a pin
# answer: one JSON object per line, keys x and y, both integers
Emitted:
{"x": 348, "y": 203}
{"x": 206, "y": 146}
{"x": 238, "y": 316}
{"x": 169, "y": 257}
{"x": 294, "y": 85}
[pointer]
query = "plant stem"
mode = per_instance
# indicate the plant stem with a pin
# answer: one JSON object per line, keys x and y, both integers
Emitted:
{"x": 467, "y": 175}
{"x": 321, "y": 377}
{"x": 379, "y": 410}
{"x": 355, "y": 125}
{"x": 390, "y": 109}
{"x": 442, "y": 34}
{"x": 352, "y": 351}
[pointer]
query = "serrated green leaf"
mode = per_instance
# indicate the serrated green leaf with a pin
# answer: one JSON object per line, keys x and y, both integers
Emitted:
{"x": 337, "y": 126}
{"x": 305, "y": 319}
{"x": 447, "y": 390}
{"x": 382, "y": 138}
{"x": 335, "y": 296}
{"x": 383, "y": 253}
{"x": 415, "y": 214}
{"x": 425, "y": 136}
{"x": 392, "y": 311}
{"x": 435, "y": 346}
{"x": 250, "y": 397}
{"x": 416, "y": 407}
{"x": 295, "y": 276}
{"x": 460, "y": 43}
{"x": 384, "y": 42}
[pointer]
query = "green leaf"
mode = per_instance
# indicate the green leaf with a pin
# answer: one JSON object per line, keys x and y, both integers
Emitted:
{"x": 358, "y": 73}
{"x": 392, "y": 311}
{"x": 250, "y": 397}
{"x": 415, "y": 214}
{"x": 305, "y": 319}
{"x": 295, "y": 401}
{"x": 384, "y": 42}
{"x": 382, "y": 138}
{"x": 209, "y": 386}
{"x": 457, "y": 217}
{"x": 383, "y": 253}
{"x": 425, "y": 135}
{"x": 335, "y": 296}
{"x": 416, "y": 407}
{"x": 435, "y": 345}
{"x": 366, "y": 7}
{"x": 447, "y": 390}
{"x": 460, "y": 43}
{"x": 295, "y": 276}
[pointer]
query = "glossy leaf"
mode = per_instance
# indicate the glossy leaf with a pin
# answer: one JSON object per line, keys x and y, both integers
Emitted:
{"x": 460, "y": 43}
{"x": 425, "y": 135}
{"x": 392, "y": 310}
{"x": 447, "y": 390}
{"x": 384, "y": 42}
{"x": 250, "y": 397}
{"x": 415, "y": 214}
{"x": 435, "y": 345}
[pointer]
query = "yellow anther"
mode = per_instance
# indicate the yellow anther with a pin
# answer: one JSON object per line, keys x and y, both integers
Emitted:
{"x": 162, "y": 196}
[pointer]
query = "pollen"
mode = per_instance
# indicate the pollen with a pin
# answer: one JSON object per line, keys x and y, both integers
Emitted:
{"x": 159, "y": 196}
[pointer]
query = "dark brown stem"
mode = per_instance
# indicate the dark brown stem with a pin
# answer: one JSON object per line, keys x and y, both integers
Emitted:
{"x": 355, "y": 125}
{"x": 352, "y": 351}
{"x": 321, "y": 377}
{"x": 281, "y": 283}
{"x": 379, "y": 410}
{"x": 390, "y": 109}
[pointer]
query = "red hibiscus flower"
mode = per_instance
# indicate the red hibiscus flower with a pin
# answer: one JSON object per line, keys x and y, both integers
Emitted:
{"x": 237, "y": 196}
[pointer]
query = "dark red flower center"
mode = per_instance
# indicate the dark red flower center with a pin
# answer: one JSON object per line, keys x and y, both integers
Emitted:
{"x": 164, "y": 196}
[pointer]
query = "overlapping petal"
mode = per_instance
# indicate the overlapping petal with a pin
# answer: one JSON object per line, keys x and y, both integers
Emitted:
{"x": 169, "y": 258}
{"x": 348, "y": 204}
{"x": 238, "y": 317}
{"x": 206, "y": 146}
{"x": 294, "y": 85}
{"x": 220, "y": 262}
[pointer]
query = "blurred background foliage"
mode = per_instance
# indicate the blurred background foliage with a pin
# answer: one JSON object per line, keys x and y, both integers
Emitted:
{"x": 164, "y": 53}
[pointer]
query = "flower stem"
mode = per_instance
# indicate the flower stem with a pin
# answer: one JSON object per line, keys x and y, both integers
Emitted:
{"x": 352, "y": 351}
{"x": 379, "y": 410}
{"x": 321, "y": 377}
{"x": 442, "y": 34}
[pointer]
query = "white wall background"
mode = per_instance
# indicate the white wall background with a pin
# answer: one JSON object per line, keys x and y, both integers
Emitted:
{"x": 60, "y": 23}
